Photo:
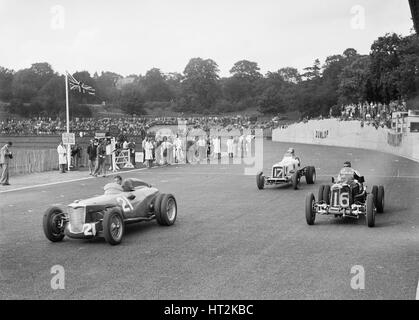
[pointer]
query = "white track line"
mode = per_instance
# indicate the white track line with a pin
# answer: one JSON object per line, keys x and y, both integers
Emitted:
{"x": 81, "y": 179}
{"x": 67, "y": 181}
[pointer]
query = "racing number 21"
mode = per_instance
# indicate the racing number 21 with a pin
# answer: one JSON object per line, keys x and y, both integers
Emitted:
{"x": 125, "y": 204}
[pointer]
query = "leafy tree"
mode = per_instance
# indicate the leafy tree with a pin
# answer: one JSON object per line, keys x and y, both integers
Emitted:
{"x": 6, "y": 79}
{"x": 132, "y": 101}
{"x": 200, "y": 86}
{"x": 155, "y": 86}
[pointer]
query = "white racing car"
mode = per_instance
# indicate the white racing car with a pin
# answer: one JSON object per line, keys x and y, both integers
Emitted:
{"x": 287, "y": 171}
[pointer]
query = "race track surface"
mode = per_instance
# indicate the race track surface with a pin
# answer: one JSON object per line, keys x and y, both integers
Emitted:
{"x": 230, "y": 241}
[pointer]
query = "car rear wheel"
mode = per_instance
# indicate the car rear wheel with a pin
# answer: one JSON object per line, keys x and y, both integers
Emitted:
{"x": 326, "y": 194}
{"x": 380, "y": 200}
{"x": 370, "y": 212}
{"x": 374, "y": 192}
{"x": 113, "y": 226}
{"x": 320, "y": 195}
{"x": 260, "y": 180}
{"x": 310, "y": 175}
{"x": 167, "y": 213}
{"x": 53, "y": 224}
{"x": 310, "y": 211}
{"x": 295, "y": 180}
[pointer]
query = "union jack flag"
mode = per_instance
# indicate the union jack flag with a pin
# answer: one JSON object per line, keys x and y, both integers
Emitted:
{"x": 80, "y": 86}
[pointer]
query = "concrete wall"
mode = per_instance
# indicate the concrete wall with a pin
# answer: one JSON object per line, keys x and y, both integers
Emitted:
{"x": 333, "y": 132}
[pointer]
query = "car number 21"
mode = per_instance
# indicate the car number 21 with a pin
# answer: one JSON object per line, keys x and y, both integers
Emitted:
{"x": 125, "y": 204}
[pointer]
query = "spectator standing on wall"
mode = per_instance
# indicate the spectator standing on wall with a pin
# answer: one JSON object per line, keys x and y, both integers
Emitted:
{"x": 92, "y": 154}
{"x": 165, "y": 146}
{"x": 101, "y": 157}
{"x": 76, "y": 156}
{"x": 62, "y": 156}
{"x": 5, "y": 156}
{"x": 148, "y": 151}
{"x": 230, "y": 147}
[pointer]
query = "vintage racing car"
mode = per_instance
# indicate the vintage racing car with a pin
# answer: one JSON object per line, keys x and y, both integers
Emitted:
{"x": 287, "y": 171}
{"x": 106, "y": 215}
{"x": 343, "y": 200}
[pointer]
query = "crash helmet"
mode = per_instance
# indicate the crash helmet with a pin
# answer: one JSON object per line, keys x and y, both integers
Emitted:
{"x": 291, "y": 151}
{"x": 347, "y": 164}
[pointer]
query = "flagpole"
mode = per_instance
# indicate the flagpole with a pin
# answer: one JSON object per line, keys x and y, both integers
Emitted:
{"x": 67, "y": 111}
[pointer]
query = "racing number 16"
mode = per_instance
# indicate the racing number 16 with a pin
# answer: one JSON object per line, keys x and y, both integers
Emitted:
{"x": 125, "y": 204}
{"x": 344, "y": 199}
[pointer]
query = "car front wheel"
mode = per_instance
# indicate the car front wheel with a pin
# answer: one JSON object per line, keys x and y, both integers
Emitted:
{"x": 113, "y": 226}
{"x": 53, "y": 224}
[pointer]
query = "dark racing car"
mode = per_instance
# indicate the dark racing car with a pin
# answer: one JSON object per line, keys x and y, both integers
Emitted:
{"x": 106, "y": 215}
{"x": 346, "y": 200}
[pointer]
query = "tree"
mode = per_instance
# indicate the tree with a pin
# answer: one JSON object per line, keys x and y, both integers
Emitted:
{"x": 155, "y": 86}
{"x": 246, "y": 69}
{"x": 290, "y": 75}
{"x": 6, "y": 79}
{"x": 105, "y": 86}
{"x": 200, "y": 86}
{"x": 312, "y": 72}
{"x": 353, "y": 81}
{"x": 132, "y": 101}
{"x": 27, "y": 82}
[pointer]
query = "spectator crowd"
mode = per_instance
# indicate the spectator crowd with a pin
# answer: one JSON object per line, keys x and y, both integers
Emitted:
{"x": 136, "y": 126}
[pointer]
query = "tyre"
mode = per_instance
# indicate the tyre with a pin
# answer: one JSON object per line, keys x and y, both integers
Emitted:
{"x": 260, "y": 180}
{"x": 157, "y": 204}
{"x": 311, "y": 175}
{"x": 380, "y": 200}
{"x": 294, "y": 180}
{"x": 374, "y": 192}
{"x": 320, "y": 195}
{"x": 113, "y": 226}
{"x": 326, "y": 194}
{"x": 310, "y": 212}
{"x": 53, "y": 224}
{"x": 369, "y": 211}
{"x": 167, "y": 213}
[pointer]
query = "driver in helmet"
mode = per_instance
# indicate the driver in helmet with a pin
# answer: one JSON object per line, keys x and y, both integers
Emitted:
{"x": 347, "y": 173}
{"x": 350, "y": 176}
{"x": 290, "y": 153}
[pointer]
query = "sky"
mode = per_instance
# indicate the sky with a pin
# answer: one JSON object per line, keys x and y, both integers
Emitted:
{"x": 133, "y": 36}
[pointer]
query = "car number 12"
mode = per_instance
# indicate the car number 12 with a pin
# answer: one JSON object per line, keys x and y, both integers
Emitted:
{"x": 125, "y": 204}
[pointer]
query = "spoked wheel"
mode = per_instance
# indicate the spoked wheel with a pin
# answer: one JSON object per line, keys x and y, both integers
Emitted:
{"x": 113, "y": 226}
{"x": 53, "y": 224}
{"x": 166, "y": 213}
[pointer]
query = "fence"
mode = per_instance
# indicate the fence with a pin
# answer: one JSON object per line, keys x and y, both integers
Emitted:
{"x": 30, "y": 161}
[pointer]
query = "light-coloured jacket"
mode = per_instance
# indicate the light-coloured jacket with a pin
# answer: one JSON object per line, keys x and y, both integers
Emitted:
{"x": 62, "y": 154}
{"x": 4, "y": 154}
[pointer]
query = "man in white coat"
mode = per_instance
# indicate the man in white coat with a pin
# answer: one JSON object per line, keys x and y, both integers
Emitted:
{"x": 230, "y": 148}
{"x": 216, "y": 142}
{"x": 178, "y": 149}
{"x": 62, "y": 156}
{"x": 148, "y": 148}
